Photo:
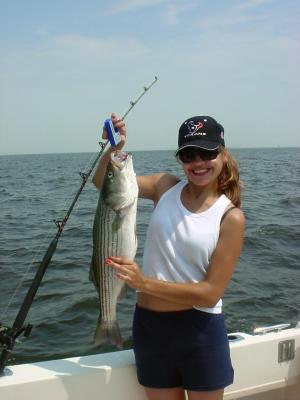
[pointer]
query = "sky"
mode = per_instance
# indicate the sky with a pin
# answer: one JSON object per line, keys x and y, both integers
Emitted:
{"x": 66, "y": 65}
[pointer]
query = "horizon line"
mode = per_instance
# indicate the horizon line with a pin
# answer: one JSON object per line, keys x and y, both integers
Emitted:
{"x": 93, "y": 152}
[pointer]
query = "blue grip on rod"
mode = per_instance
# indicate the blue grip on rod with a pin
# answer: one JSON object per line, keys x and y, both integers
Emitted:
{"x": 113, "y": 134}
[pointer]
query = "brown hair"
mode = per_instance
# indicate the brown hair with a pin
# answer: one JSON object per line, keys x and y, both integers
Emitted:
{"x": 229, "y": 178}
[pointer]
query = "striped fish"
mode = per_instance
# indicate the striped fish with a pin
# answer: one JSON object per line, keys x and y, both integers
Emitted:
{"x": 114, "y": 234}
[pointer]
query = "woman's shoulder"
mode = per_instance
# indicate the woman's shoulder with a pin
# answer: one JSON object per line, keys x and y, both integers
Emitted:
{"x": 165, "y": 182}
{"x": 233, "y": 217}
{"x": 154, "y": 186}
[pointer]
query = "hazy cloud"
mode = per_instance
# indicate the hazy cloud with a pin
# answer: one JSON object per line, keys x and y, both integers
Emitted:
{"x": 253, "y": 4}
{"x": 130, "y": 5}
{"x": 60, "y": 78}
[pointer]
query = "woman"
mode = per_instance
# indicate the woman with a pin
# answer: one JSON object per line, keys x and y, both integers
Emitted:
{"x": 193, "y": 242}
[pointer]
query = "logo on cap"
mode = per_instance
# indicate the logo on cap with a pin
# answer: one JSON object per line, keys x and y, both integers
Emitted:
{"x": 194, "y": 127}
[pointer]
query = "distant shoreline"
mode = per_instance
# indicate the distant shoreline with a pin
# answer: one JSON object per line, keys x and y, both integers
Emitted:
{"x": 156, "y": 150}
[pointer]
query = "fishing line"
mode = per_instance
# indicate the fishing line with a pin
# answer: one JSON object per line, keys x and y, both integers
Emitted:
{"x": 23, "y": 277}
{"x": 88, "y": 167}
{"x": 8, "y": 335}
{"x": 42, "y": 245}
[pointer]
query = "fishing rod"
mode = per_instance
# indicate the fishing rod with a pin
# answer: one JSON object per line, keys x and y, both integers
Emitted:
{"x": 8, "y": 335}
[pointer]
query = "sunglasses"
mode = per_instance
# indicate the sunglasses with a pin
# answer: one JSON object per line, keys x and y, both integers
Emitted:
{"x": 190, "y": 154}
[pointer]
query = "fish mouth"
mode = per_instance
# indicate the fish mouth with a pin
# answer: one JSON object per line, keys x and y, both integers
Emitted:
{"x": 119, "y": 158}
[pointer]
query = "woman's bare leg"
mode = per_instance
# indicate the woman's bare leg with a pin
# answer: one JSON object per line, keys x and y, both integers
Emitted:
{"x": 211, "y": 395}
{"x": 165, "y": 394}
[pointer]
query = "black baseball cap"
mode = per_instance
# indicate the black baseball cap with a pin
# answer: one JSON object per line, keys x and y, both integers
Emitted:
{"x": 201, "y": 131}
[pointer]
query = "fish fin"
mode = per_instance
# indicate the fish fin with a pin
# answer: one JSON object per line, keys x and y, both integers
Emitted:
{"x": 92, "y": 277}
{"x": 117, "y": 222}
{"x": 108, "y": 331}
{"x": 91, "y": 274}
{"x": 123, "y": 293}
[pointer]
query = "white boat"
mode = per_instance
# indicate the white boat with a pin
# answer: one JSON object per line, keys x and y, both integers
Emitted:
{"x": 267, "y": 366}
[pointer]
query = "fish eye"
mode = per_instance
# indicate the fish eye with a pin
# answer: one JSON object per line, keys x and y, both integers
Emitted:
{"x": 110, "y": 175}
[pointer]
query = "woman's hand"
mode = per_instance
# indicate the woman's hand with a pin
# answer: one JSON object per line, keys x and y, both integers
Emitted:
{"x": 128, "y": 271}
{"x": 119, "y": 124}
{"x": 99, "y": 175}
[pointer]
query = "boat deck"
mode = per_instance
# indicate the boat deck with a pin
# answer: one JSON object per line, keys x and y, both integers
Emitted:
{"x": 267, "y": 366}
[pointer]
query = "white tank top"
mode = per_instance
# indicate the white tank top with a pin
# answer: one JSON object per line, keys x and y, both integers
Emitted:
{"x": 179, "y": 243}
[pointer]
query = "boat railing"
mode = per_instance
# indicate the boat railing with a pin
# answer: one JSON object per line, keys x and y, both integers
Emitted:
{"x": 273, "y": 328}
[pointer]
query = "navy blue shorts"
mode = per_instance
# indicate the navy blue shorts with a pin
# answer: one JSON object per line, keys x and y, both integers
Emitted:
{"x": 186, "y": 349}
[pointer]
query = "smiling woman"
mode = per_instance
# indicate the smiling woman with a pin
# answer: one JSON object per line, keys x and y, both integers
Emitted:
{"x": 189, "y": 256}
{"x": 203, "y": 155}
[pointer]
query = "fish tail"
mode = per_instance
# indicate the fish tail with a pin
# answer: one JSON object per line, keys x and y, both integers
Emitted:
{"x": 108, "y": 331}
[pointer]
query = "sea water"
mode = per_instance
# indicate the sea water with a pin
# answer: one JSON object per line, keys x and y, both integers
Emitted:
{"x": 35, "y": 189}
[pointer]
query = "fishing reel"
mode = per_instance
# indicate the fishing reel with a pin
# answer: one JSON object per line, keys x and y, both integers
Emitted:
{"x": 9, "y": 335}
